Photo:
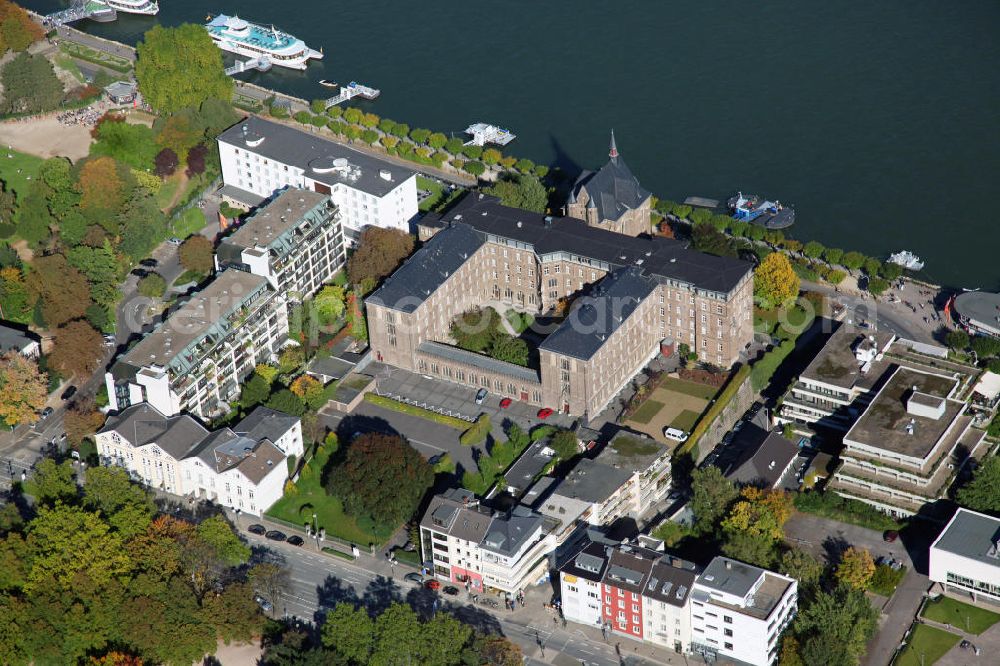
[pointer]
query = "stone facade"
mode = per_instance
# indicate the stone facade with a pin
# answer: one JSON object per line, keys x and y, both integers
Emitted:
{"x": 465, "y": 265}
{"x": 611, "y": 199}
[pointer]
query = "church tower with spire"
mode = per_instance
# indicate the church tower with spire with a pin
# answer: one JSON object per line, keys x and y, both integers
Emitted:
{"x": 611, "y": 198}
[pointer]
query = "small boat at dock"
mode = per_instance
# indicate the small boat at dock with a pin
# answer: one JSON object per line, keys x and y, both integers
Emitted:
{"x": 328, "y": 83}
{"x": 768, "y": 214}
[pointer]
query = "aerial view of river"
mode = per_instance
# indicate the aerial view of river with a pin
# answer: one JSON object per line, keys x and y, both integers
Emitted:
{"x": 878, "y": 121}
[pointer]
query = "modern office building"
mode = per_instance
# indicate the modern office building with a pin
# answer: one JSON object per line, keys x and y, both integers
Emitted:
{"x": 738, "y": 612}
{"x": 965, "y": 558}
{"x": 909, "y": 443}
{"x": 260, "y": 158}
{"x": 295, "y": 241}
{"x": 196, "y": 359}
{"x": 630, "y": 295}
{"x": 243, "y": 467}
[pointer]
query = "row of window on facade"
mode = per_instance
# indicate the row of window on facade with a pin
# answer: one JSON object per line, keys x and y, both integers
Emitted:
{"x": 460, "y": 375}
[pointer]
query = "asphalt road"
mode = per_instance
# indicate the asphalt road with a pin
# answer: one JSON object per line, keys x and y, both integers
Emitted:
{"x": 318, "y": 582}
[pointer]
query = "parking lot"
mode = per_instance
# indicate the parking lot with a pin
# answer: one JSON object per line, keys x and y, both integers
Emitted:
{"x": 456, "y": 399}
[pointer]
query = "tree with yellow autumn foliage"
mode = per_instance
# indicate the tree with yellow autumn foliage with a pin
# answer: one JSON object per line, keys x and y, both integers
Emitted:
{"x": 856, "y": 568}
{"x": 774, "y": 281}
{"x": 23, "y": 389}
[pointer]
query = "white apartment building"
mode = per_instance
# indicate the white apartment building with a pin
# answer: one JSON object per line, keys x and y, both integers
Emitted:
{"x": 629, "y": 477}
{"x": 464, "y": 543}
{"x": 514, "y": 550}
{"x": 831, "y": 391}
{"x": 580, "y": 585}
{"x": 295, "y": 241}
{"x": 260, "y": 157}
{"x": 738, "y": 612}
{"x": 243, "y": 468}
{"x": 196, "y": 359}
{"x": 965, "y": 558}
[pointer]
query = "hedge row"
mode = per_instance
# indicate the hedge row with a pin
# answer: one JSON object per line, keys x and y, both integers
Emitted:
{"x": 477, "y": 433}
{"x": 724, "y": 398}
{"x": 402, "y": 407}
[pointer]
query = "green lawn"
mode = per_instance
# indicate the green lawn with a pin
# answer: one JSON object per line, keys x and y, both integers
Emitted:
{"x": 926, "y": 645}
{"x": 963, "y": 616}
{"x": 646, "y": 411}
{"x": 28, "y": 165}
{"x": 310, "y": 498}
{"x": 166, "y": 192}
{"x": 689, "y": 388}
{"x": 435, "y": 188}
{"x": 189, "y": 223}
{"x": 685, "y": 420}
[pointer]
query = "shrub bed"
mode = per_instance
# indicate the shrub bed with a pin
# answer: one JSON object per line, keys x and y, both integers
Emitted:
{"x": 831, "y": 505}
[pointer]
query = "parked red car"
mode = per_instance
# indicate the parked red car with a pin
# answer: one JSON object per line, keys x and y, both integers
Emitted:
{"x": 890, "y": 536}
{"x": 433, "y": 584}
{"x": 505, "y": 403}
{"x": 545, "y": 413}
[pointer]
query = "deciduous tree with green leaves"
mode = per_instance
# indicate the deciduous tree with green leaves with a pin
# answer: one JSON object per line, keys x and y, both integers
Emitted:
{"x": 982, "y": 493}
{"x": 381, "y": 477}
{"x": 520, "y": 191}
{"x": 180, "y": 67}
{"x": 711, "y": 495}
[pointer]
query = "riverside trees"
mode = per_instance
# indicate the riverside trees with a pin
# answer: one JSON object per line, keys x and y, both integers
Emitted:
{"x": 98, "y": 573}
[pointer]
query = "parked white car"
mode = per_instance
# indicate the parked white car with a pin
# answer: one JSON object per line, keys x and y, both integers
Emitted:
{"x": 675, "y": 434}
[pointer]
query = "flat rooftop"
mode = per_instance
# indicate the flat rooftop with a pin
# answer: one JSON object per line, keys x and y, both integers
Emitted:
{"x": 883, "y": 424}
{"x": 278, "y": 217}
{"x": 631, "y": 452}
{"x": 591, "y": 481}
{"x": 728, "y": 576}
{"x": 321, "y": 160}
{"x": 195, "y": 319}
{"x": 837, "y": 365}
{"x": 972, "y": 535}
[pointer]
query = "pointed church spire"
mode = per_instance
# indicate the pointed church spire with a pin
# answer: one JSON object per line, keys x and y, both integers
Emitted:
{"x": 613, "y": 153}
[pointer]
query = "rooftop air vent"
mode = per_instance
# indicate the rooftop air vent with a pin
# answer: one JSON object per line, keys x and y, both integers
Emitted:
{"x": 385, "y": 174}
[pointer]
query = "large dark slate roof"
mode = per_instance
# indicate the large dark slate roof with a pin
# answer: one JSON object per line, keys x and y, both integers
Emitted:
{"x": 765, "y": 461}
{"x": 598, "y": 316}
{"x": 14, "y": 338}
{"x": 659, "y": 256}
{"x": 613, "y": 189}
{"x": 506, "y": 535}
{"x": 428, "y": 268}
{"x": 143, "y": 424}
{"x": 310, "y": 152}
{"x": 266, "y": 423}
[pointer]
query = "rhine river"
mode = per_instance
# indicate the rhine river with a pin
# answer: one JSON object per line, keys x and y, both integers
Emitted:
{"x": 879, "y": 121}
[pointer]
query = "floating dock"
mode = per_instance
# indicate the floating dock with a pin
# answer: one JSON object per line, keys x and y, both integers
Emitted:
{"x": 482, "y": 134}
{"x": 351, "y": 90}
{"x": 701, "y": 202}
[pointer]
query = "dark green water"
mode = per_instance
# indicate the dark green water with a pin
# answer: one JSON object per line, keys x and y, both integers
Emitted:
{"x": 879, "y": 121}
